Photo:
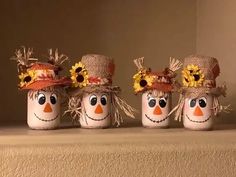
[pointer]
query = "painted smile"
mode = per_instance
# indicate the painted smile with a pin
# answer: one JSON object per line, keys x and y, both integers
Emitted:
{"x": 198, "y": 121}
{"x": 156, "y": 121}
{"x": 96, "y": 119}
{"x": 46, "y": 120}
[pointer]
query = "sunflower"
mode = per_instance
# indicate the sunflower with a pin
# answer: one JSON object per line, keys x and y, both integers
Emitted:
{"x": 192, "y": 76}
{"x": 27, "y": 78}
{"x": 79, "y": 75}
{"x": 141, "y": 80}
{"x": 77, "y": 68}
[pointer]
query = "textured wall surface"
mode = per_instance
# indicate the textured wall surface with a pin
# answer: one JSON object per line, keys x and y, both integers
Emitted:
{"x": 216, "y": 36}
{"x": 126, "y": 29}
{"x": 121, "y": 152}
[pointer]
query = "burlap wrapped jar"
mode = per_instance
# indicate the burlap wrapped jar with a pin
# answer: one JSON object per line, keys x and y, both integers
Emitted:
{"x": 94, "y": 100}
{"x": 199, "y": 102}
{"x": 156, "y": 89}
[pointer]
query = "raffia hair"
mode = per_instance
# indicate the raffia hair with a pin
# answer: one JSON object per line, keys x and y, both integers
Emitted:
{"x": 117, "y": 104}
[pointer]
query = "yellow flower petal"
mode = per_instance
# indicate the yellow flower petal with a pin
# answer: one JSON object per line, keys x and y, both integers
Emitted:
{"x": 192, "y": 76}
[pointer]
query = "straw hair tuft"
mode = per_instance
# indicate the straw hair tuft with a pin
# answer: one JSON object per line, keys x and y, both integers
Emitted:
{"x": 55, "y": 58}
{"x": 175, "y": 64}
{"x": 23, "y": 57}
{"x": 139, "y": 62}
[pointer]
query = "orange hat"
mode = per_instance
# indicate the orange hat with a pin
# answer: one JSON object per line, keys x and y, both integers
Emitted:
{"x": 163, "y": 81}
{"x": 41, "y": 75}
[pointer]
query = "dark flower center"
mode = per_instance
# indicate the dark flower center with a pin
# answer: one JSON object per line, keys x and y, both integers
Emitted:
{"x": 186, "y": 79}
{"x": 80, "y": 78}
{"x": 196, "y": 77}
{"x": 78, "y": 69}
{"x": 27, "y": 79}
{"x": 143, "y": 83}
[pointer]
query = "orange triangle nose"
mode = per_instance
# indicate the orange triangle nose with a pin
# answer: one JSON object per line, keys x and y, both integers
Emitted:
{"x": 198, "y": 111}
{"x": 47, "y": 108}
{"x": 157, "y": 111}
{"x": 98, "y": 109}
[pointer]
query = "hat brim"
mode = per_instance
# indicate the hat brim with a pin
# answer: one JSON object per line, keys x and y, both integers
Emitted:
{"x": 41, "y": 84}
{"x": 94, "y": 88}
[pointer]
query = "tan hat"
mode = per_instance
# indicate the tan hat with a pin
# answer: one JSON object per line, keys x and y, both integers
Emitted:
{"x": 199, "y": 75}
{"x": 93, "y": 73}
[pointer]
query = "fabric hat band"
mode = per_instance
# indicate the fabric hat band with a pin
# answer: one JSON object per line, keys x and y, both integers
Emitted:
{"x": 99, "y": 81}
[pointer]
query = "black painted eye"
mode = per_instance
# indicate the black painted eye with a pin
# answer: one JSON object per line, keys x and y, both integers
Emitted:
{"x": 192, "y": 102}
{"x": 202, "y": 102}
{"x": 104, "y": 99}
{"x": 41, "y": 98}
{"x": 152, "y": 102}
{"x": 53, "y": 98}
{"x": 162, "y": 102}
{"x": 93, "y": 100}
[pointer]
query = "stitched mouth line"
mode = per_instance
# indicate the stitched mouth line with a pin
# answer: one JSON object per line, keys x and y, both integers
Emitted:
{"x": 96, "y": 119}
{"x": 156, "y": 121}
{"x": 45, "y": 120}
{"x": 198, "y": 121}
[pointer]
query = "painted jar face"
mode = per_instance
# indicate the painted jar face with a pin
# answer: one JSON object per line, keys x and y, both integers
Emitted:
{"x": 43, "y": 109}
{"x": 197, "y": 113}
{"x": 155, "y": 110}
{"x": 96, "y": 110}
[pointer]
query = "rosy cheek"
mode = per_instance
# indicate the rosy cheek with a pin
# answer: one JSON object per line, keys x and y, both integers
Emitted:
{"x": 186, "y": 107}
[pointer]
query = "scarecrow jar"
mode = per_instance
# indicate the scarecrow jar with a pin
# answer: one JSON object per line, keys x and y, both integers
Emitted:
{"x": 156, "y": 88}
{"x": 97, "y": 100}
{"x": 44, "y": 90}
{"x": 199, "y": 102}
{"x": 44, "y": 100}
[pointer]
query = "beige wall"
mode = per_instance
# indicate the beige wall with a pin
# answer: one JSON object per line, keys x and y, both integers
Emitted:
{"x": 216, "y": 36}
{"x": 125, "y": 29}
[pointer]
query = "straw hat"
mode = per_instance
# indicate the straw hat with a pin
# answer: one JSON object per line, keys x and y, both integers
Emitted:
{"x": 93, "y": 74}
{"x": 163, "y": 81}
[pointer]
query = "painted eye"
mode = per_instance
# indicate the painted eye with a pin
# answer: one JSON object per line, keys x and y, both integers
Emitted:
{"x": 41, "y": 98}
{"x": 53, "y": 98}
{"x": 152, "y": 102}
{"x": 104, "y": 99}
{"x": 202, "y": 102}
{"x": 93, "y": 100}
{"x": 192, "y": 102}
{"x": 162, "y": 102}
